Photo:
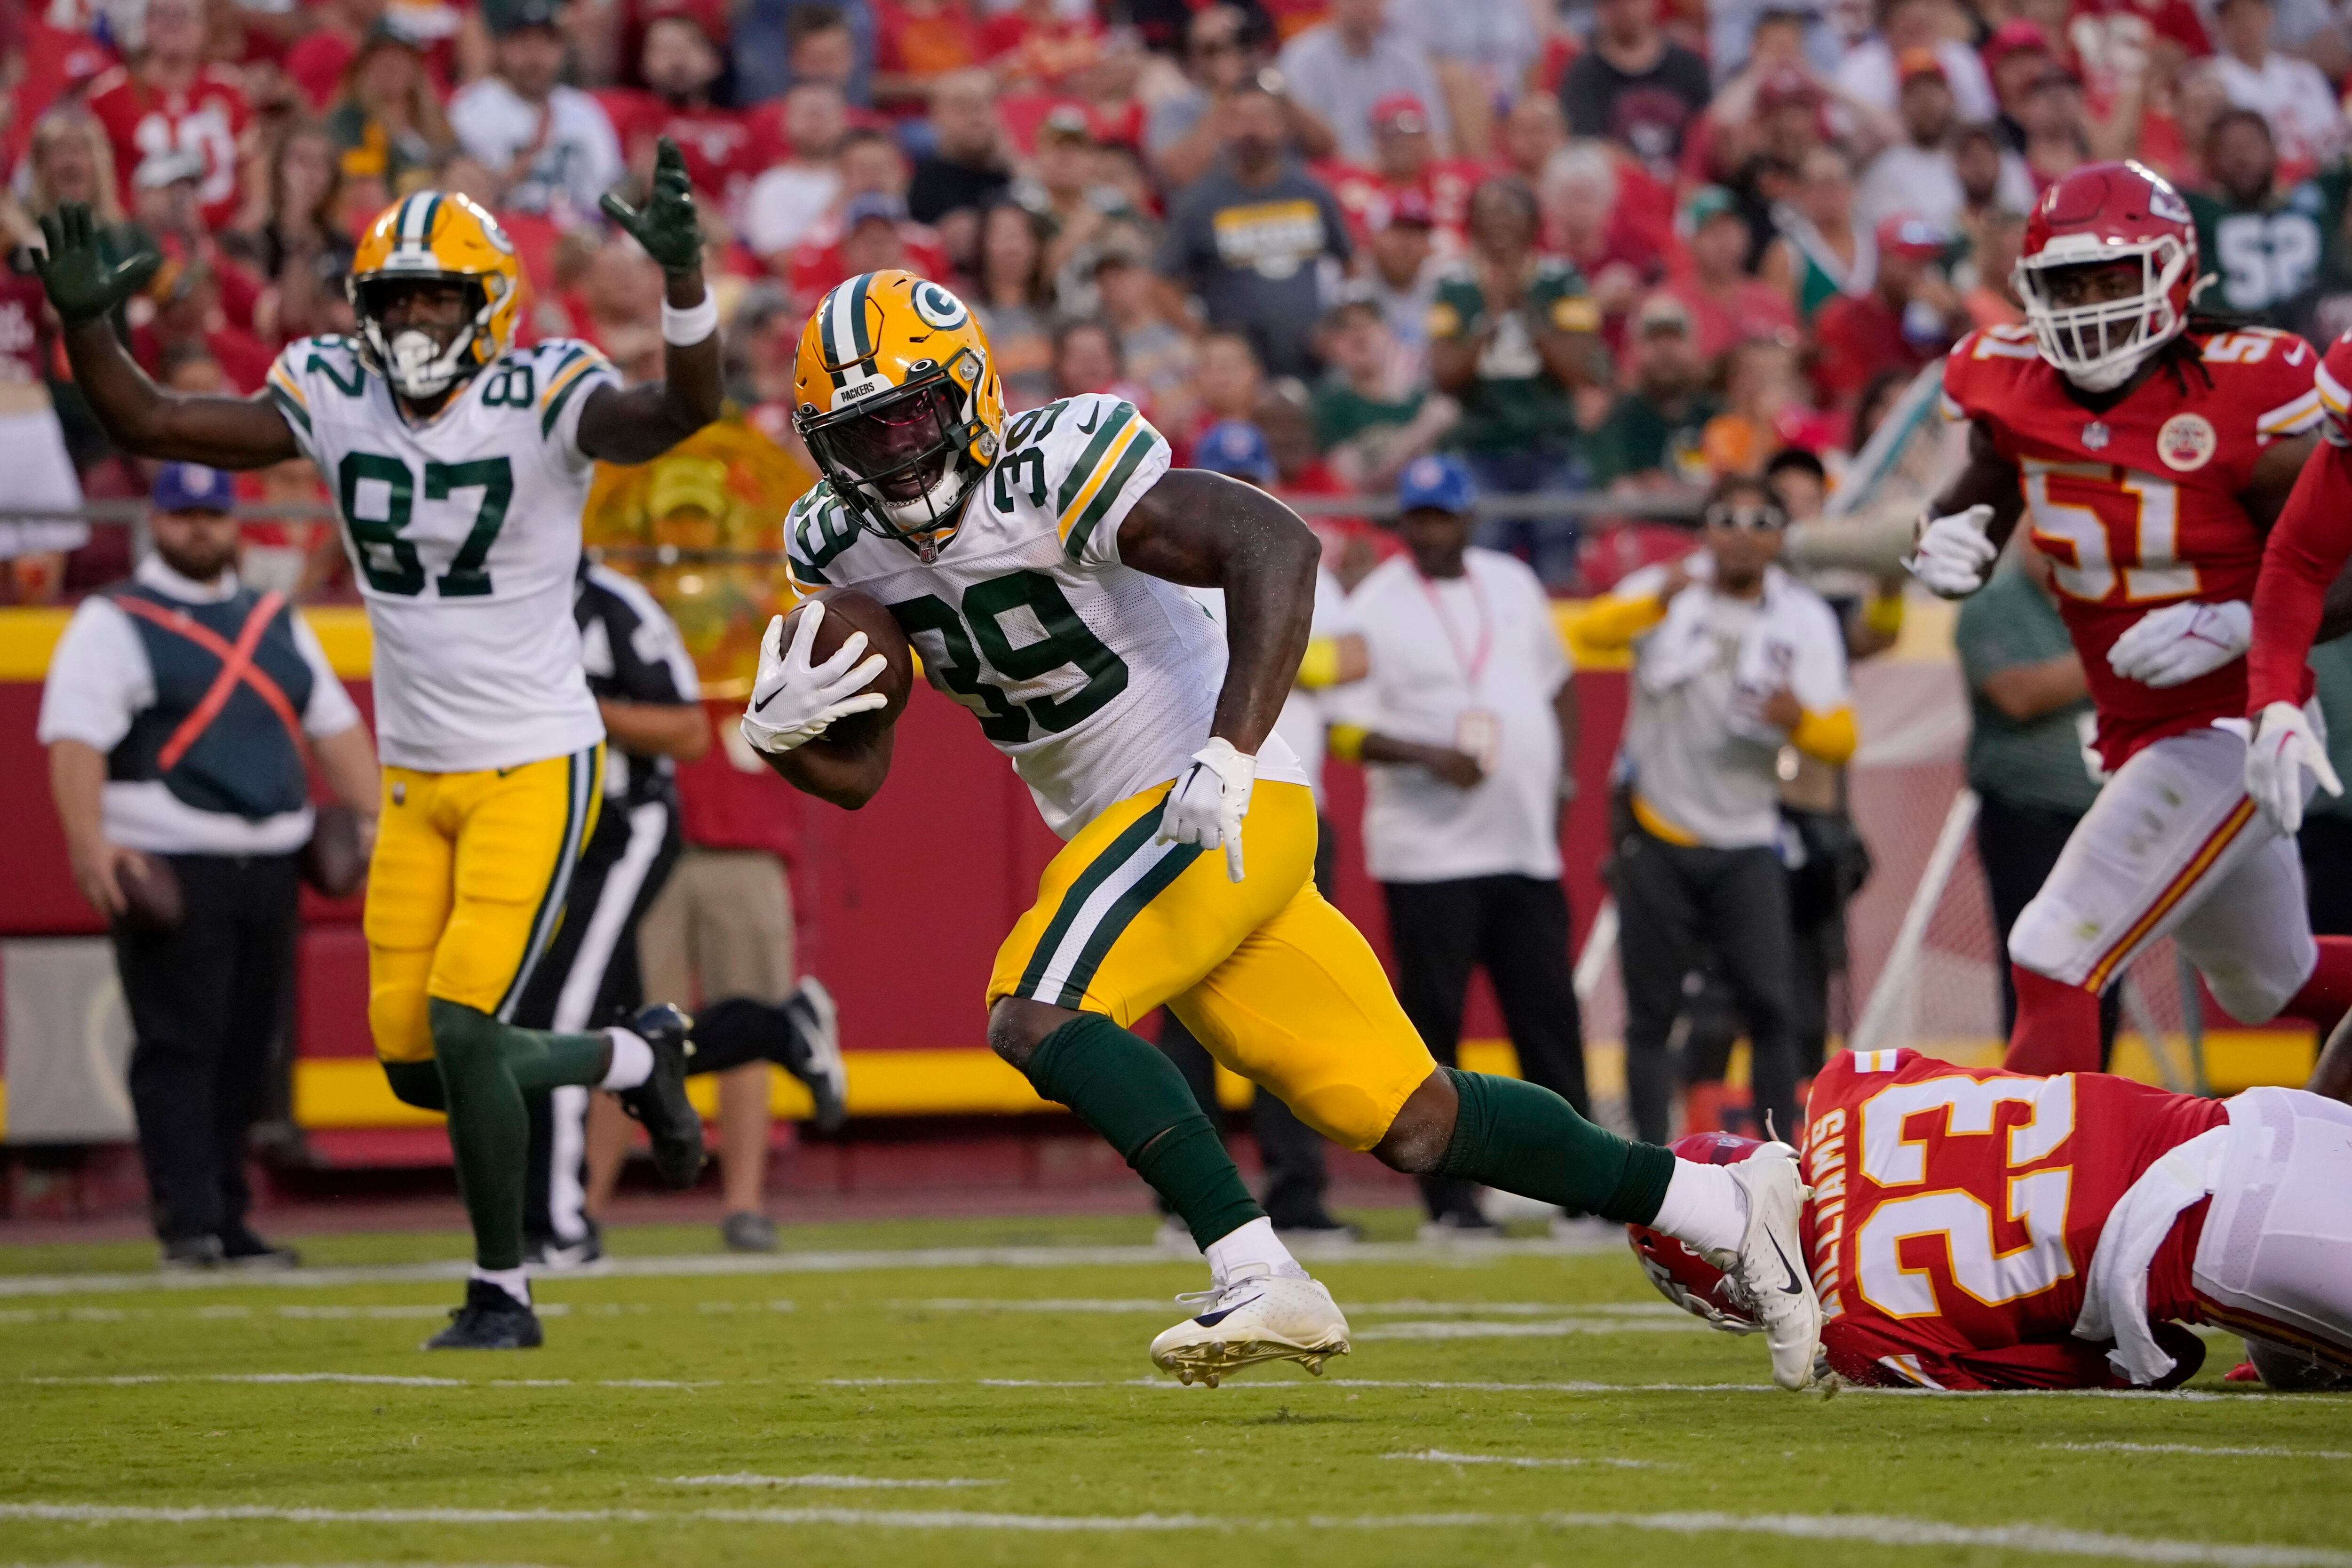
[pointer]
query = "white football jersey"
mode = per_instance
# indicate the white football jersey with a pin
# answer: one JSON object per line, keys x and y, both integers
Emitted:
{"x": 464, "y": 533}
{"x": 1096, "y": 679}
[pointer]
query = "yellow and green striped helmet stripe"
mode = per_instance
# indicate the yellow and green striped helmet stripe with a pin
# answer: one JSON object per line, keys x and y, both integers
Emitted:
{"x": 414, "y": 229}
{"x": 847, "y": 337}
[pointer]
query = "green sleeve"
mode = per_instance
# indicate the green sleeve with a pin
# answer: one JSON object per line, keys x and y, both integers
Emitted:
{"x": 1991, "y": 634}
{"x": 1455, "y": 310}
{"x": 1604, "y": 448}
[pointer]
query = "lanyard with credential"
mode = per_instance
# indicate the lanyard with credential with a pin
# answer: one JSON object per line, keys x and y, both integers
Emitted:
{"x": 1474, "y": 666}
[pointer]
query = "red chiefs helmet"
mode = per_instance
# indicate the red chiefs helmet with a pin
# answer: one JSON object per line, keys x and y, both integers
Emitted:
{"x": 1680, "y": 1275}
{"x": 2099, "y": 214}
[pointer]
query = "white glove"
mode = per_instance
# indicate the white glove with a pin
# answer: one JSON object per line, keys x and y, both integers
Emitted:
{"x": 2282, "y": 748}
{"x": 793, "y": 701}
{"x": 2181, "y": 642}
{"x": 1209, "y": 800}
{"x": 1952, "y": 553}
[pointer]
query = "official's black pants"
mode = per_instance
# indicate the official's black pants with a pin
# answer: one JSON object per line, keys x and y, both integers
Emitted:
{"x": 588, "y": 978}
{"x": 1516, "y": 928}
{"x": 1298, "y": 1180}
{"x": 2017, "y": 844}
{"x": 2325, "y": 843}
{"x": 1677, "y": 905}
{"x": 209, "y": 1003}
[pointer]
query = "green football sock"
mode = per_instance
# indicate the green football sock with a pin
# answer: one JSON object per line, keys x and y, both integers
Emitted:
{"x": 487, "y": 1069}
{"x": 1126, "y": 1089}
{"x": 1526, "y": 1140}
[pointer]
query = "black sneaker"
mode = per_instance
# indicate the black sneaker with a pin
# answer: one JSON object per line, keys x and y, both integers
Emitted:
{"x": 240, "y": 1248}
{"x": 813, "y": 1054}
{"x": 552, "y": 1252}
{"x": 748, "y": 1232}
{"x": 660, "y": 1101}
{"x": 489, "y": 1321}
{"x": 190, "y": 1252}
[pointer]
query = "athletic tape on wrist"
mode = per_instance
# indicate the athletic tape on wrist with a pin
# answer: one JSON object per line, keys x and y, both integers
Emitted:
{"x": 684, "y": 329}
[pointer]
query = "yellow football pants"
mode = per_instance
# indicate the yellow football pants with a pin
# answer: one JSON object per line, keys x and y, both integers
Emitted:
{"x": 1271, "y": 978}
{"x": 467, "y": 887}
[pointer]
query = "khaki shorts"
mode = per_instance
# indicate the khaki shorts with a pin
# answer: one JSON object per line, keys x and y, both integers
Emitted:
{"x": 725, "y": 920}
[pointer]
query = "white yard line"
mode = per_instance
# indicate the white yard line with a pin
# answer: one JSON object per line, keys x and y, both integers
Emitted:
{"x": 1864, "y": 1529}
{"x": 1525, "y": 1462}
{"x": 137, "y": 1379}
{"x": 2200, "y": 1449}
{"x": 878, "y": 1483}
{"x": 1161, "y": 1304}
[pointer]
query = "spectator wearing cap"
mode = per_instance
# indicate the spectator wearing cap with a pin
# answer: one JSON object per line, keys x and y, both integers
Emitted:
{"x": 551, "y": 146}
{"x": 1403, "y": 269}
{"x": 387, "y": 120}
{"x": 2266, "y": 243}
{"x": 1222, "y": 52}
{"x": 1466, "y": 726}
{"x": 2014, "y": 58}
{"x": 2306, "y": 121}
{"x": 1296, "y": 1177}
{"x": 180, "y": 711}
{"x": 1512, "y": 337}
{"x": 1874, "y": 72}
{"x": 1726, "y": 304}
{"x": 1920, "y": 173}
{"x": 1651, "y": 437}
{"x": 1405, "y": 161}
{"x": 1734, "y": 660}
{"x": 790, "y": 198}
{"x": 970, "y": 160}
{"x": 1634, "y": 86}
{"x": 1341, "y": 67}
{"x": 1909, "y": 317}
{"x": 170, "y": 96}
{"x": 1258, "y": 239}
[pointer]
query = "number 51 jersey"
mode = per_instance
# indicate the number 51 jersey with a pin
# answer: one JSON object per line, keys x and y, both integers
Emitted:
{"x": 464, "y": 533}
{"x": 1098, "y": 681}
{"x": 2136, "y": 504}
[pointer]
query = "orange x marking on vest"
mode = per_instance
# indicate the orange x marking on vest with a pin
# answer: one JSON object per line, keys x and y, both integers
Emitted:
{"x": 236, "y": 666}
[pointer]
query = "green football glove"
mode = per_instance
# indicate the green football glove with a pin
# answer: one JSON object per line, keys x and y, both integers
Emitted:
{"x": 666, "y": 225}
{"x": 82, "y": 284}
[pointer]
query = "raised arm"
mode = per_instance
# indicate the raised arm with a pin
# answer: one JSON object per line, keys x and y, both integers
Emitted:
{"x": 140, "y": 417}
{"x": 1205, "y": 531}
{"x": 638, "y": 423}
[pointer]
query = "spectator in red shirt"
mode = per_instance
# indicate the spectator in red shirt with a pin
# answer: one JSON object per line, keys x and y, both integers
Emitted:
{"x": 725, "y": 149}
{"x": 1726, "y": 304}
{"x": 1594, "y": 217}
{"x": 169, "y": 99}
{"x": 316, "y": 62}
{"x": 166, "y": 204}
{"x": 1035, "y": 48}
{"x": 919, "y": 42}
{"x": 1404, "y": 159}
{"x": 1909, "y": 317}
{"x": 872, "y": 233}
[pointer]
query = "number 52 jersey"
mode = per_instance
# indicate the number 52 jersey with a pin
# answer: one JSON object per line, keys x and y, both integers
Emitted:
{"x": 1098, "y": 681}
{"x": 464, "y": 533}
{"x": 2137, "y": 505}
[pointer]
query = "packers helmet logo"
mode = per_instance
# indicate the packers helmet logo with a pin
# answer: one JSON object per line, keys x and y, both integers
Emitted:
{"x": 936, "y": 307}
{"x": 495, "y": 234}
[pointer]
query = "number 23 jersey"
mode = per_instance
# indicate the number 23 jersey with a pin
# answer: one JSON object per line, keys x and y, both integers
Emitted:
{"x": 2137, "y": 505}
{"x": 464, "y": 534}
{"x": 1098, "y": 681}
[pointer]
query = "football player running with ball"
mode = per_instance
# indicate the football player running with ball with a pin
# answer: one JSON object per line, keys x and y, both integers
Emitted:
{"x": 2149, "y": 453}
{"x": 1037, "y": 566}
{"x": 459, "y": 464}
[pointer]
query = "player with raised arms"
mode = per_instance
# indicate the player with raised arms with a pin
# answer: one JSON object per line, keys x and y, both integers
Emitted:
{"x": 1037, "y": 564}
{"x": 459, "y": 463}
{"x": 2149, "y": 452}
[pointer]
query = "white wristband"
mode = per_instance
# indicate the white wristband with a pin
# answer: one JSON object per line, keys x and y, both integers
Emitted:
{"x": 686, "y": 328}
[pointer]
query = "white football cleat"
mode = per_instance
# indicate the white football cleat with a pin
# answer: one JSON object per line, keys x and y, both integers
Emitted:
{"x": 1252, "y": 1318}
{"x": 1768, "y": 1271}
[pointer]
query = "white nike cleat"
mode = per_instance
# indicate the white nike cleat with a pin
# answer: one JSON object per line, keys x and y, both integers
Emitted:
{"x": 1768, "y": 1271}
{"x": 1252, "y": 1318}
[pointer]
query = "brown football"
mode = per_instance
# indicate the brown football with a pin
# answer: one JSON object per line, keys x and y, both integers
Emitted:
{"x": 150, "y": 892}
{"x": 847, "y": 610}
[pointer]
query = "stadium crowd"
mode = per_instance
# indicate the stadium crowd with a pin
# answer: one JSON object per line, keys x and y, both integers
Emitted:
{"x": 1628, "y": 247}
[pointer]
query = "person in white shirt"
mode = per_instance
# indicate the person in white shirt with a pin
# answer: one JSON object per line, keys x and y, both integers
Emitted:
{"x": 1870, "y": 73}
{"x": 1339, "y": 69}
{"x": 179, "y": 711}
{"x": 1920, "y": 174}
{"x": 1734, "y": 660}
{"x": 1466, "y": 724}
{"x": 2290, "y": 93}
{"x": 553, "y": 147}
{"x": 785, "y": 201}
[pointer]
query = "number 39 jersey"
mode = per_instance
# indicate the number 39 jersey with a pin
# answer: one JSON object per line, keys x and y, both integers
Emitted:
{"x": 2137, "y": 505}
{"x": 1955, "y": 1210}
{"x": 464, "y": 533}
{"x": 1098, "y": 681}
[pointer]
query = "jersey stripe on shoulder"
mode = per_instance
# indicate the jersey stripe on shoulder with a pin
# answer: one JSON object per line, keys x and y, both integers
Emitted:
{"x": 287, "y": 392}
{"x": 1097, "y": 479}
{"x": 2293, "y": 418}
{"x": 577, "y": 363}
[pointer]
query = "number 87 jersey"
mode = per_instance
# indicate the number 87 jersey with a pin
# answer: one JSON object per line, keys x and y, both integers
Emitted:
{"x": 464, "y": 534}
{"x": 2139, "y": 504}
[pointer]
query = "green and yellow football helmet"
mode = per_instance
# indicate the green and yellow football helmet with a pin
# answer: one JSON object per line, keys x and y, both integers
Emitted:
{"x": 436, "y": 237}
{"x": 896, "y": 395}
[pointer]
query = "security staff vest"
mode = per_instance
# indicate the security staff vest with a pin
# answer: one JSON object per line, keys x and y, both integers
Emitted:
{"x": 223, "y": 734}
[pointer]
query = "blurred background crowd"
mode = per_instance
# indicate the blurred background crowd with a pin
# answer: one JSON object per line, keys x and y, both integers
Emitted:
{"x": 1610, "y": 248}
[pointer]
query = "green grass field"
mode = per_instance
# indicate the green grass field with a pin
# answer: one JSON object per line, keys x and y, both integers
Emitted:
{"x": 976, "y": 1393}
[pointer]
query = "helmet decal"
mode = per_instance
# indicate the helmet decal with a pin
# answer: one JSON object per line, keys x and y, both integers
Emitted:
{"x": 936, "y": 307}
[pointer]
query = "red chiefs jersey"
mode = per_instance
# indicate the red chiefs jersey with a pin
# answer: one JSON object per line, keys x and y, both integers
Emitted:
{"x": 1955, "y": 1210}
{"x": 725, "y": 149}
{"x": 2138, "y": 506}
{"x": 1365, "y": 196}
{"x": 208, "y": 118}
{"x": 2308, "y": 545}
